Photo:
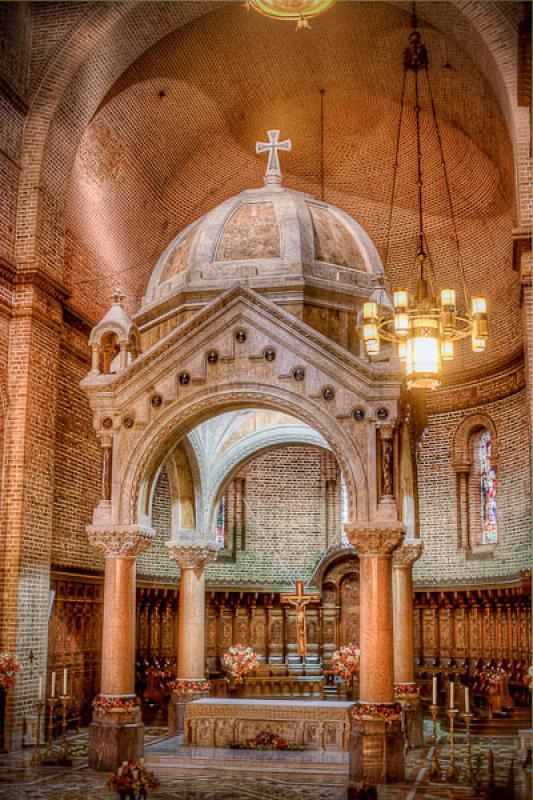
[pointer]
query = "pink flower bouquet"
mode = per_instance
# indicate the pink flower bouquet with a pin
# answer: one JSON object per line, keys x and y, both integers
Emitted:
{"x": 238, "y": 661}
{"x": 345, "y": 661}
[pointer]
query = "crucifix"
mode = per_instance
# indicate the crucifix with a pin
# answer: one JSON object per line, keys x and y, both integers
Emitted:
{"x": 273, "y": 173}
{"x": 300, "y": 600}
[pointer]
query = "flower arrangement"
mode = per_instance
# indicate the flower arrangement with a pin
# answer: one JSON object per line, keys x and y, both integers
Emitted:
{"x": 181, "y": 686}
{"x": 103, "y": 704}
{"x": 390, "y": 711}
{"x": 132, "y": 779}
{"x": 267, "y": 741}
{"x": 9, "y": 669}
{"x": 238, "y": 661}
{"x": 345, "y": 661}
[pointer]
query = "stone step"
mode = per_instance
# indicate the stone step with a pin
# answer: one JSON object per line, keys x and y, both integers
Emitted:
{"x": 245, "y": 762}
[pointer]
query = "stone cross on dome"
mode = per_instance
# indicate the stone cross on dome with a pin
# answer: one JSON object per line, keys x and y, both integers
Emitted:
{"x": 273, "y": 174}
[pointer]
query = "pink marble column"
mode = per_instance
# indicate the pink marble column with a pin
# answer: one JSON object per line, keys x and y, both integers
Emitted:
{"x": 402, "y": 591}
{"x": 192, "y": 559}
{"x": 376, "y": 742}
{"x": 375, "y": 543}
{"x": 117, "y": 737}
{"x": 405, "y": 688}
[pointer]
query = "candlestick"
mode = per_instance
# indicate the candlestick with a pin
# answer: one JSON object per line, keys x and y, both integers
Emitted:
{"x": 64, "y": 756}
{"x": 53, "y": 688}
{"x": 467, "y": 700}
{"x": 37, "y": 759}
{"x": 470, "y": 774}
{"x": 434, "y": 770}
{"x": 451, "y": 772}
{"x": 435, "y": 680}
{"x": 49, "y": 757}
{"x": 452, "y": 694}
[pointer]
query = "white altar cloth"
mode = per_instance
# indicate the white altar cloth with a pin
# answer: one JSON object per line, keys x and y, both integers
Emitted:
{"x": 222, "y": 722}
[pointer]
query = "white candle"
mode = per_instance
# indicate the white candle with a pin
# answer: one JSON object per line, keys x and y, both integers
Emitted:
{"x": 435, "y": 690}
{"x": 53, "y": 689}
{"x": 40, "y": 697}
{"x": 467, "y": 700}
{"x": 452, "y": 694}
{"x": 65, "y": 675}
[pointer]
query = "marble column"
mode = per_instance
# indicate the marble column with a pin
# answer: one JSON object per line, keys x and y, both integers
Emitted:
{"x": 117, "y": 736}
{"x": 192, "y": 559}
{"x": 376, "y": 743}
{"x": 405, "y": 687}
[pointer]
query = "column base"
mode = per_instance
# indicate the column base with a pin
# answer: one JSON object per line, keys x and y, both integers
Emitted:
{"x": 176, "y": 713}
{"x": 376, "y": 751}
{"x": 115, "y": 738}
{"x": 414, "y": 722}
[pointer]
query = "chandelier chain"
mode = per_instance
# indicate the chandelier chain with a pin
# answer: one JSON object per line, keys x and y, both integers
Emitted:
{"x": 419, "y": 176}
{"x": 395, "y": 170}
{"x": 448, "y": 192}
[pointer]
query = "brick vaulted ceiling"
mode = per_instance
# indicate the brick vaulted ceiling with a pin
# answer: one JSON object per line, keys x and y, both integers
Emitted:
{"x": 175, "y": 135}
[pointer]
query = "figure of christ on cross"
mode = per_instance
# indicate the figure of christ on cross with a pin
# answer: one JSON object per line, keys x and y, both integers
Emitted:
{"x": 300, "y": 600}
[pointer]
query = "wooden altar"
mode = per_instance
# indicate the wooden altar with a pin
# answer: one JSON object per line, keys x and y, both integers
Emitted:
{"x": 221, "y": 722}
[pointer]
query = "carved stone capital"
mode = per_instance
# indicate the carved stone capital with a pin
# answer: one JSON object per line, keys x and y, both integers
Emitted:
{"x": 378, "y": 538}
{"x": 117, "y": 541}
{"x": 406, "y": 555}
{"x": 192, "y": 556}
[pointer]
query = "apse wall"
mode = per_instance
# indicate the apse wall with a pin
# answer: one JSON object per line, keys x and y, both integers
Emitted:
{"x": 443, "y": 562}
{"x": 285, "y": 524}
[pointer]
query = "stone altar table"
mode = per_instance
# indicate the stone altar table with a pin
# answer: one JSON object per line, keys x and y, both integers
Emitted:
{"x": 222, "y": 722}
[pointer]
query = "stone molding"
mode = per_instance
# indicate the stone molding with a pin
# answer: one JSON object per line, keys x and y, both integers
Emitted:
{"x": 192, "y": 556}
{"x": 377, "y": 538}
{"x": 120, "y": 541}
{"x": 407, "y": 554}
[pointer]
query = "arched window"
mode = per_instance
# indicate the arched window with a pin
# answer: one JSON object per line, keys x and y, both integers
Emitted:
{"x": 475, "y": 463}
{"x": 487, "y": 485}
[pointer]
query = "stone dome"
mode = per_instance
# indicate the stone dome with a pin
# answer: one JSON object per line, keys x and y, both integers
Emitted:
{"x": 271, "y": 238}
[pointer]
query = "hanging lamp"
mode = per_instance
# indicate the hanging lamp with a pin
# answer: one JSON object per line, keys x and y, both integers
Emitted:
{"x": 424, "y": 326}
{"x": 299, "y": 11}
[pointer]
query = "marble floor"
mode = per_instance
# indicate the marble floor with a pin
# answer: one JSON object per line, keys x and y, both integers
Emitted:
{"x": 205, "y": 774}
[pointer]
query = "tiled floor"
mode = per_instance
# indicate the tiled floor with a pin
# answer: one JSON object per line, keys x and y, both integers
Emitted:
{"x": 20, "y": 781}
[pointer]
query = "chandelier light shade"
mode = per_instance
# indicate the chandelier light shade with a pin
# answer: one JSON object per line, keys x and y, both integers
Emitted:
{"x": 299, "y": 11}
{"x": 424, "y": 325}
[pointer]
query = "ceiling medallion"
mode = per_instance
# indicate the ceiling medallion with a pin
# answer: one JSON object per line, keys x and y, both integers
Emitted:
{"x": 299, "y": 11}
{"x": 424, "y": 326}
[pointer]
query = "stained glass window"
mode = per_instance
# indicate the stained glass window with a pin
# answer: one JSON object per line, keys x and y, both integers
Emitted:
{"x": 220, "y": 529}
{"x": 489, "y": 529}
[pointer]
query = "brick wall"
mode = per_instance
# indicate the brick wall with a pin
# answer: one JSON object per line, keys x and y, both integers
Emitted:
{"x": 77, "y": 470}
{"x": 285, "y": 525}
{"x": 442, "y": 561}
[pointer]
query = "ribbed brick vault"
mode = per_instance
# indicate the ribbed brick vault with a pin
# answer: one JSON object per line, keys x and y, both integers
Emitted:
{"x": 144, "y": 116}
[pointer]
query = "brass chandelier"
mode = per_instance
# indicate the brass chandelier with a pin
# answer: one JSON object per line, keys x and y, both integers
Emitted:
{"x": 424, "y": 326}
{"x": 299, "y": 11}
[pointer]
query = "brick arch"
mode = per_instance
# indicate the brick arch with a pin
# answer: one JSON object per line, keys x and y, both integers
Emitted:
{"x": 463, "y": 435}
{"x": 159, "y": 438}
{"x": 108, "y": 39}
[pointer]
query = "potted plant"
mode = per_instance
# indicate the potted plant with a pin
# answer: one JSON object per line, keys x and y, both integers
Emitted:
{"x": 132, "y": 781}
{"x": 9, "y": 669}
